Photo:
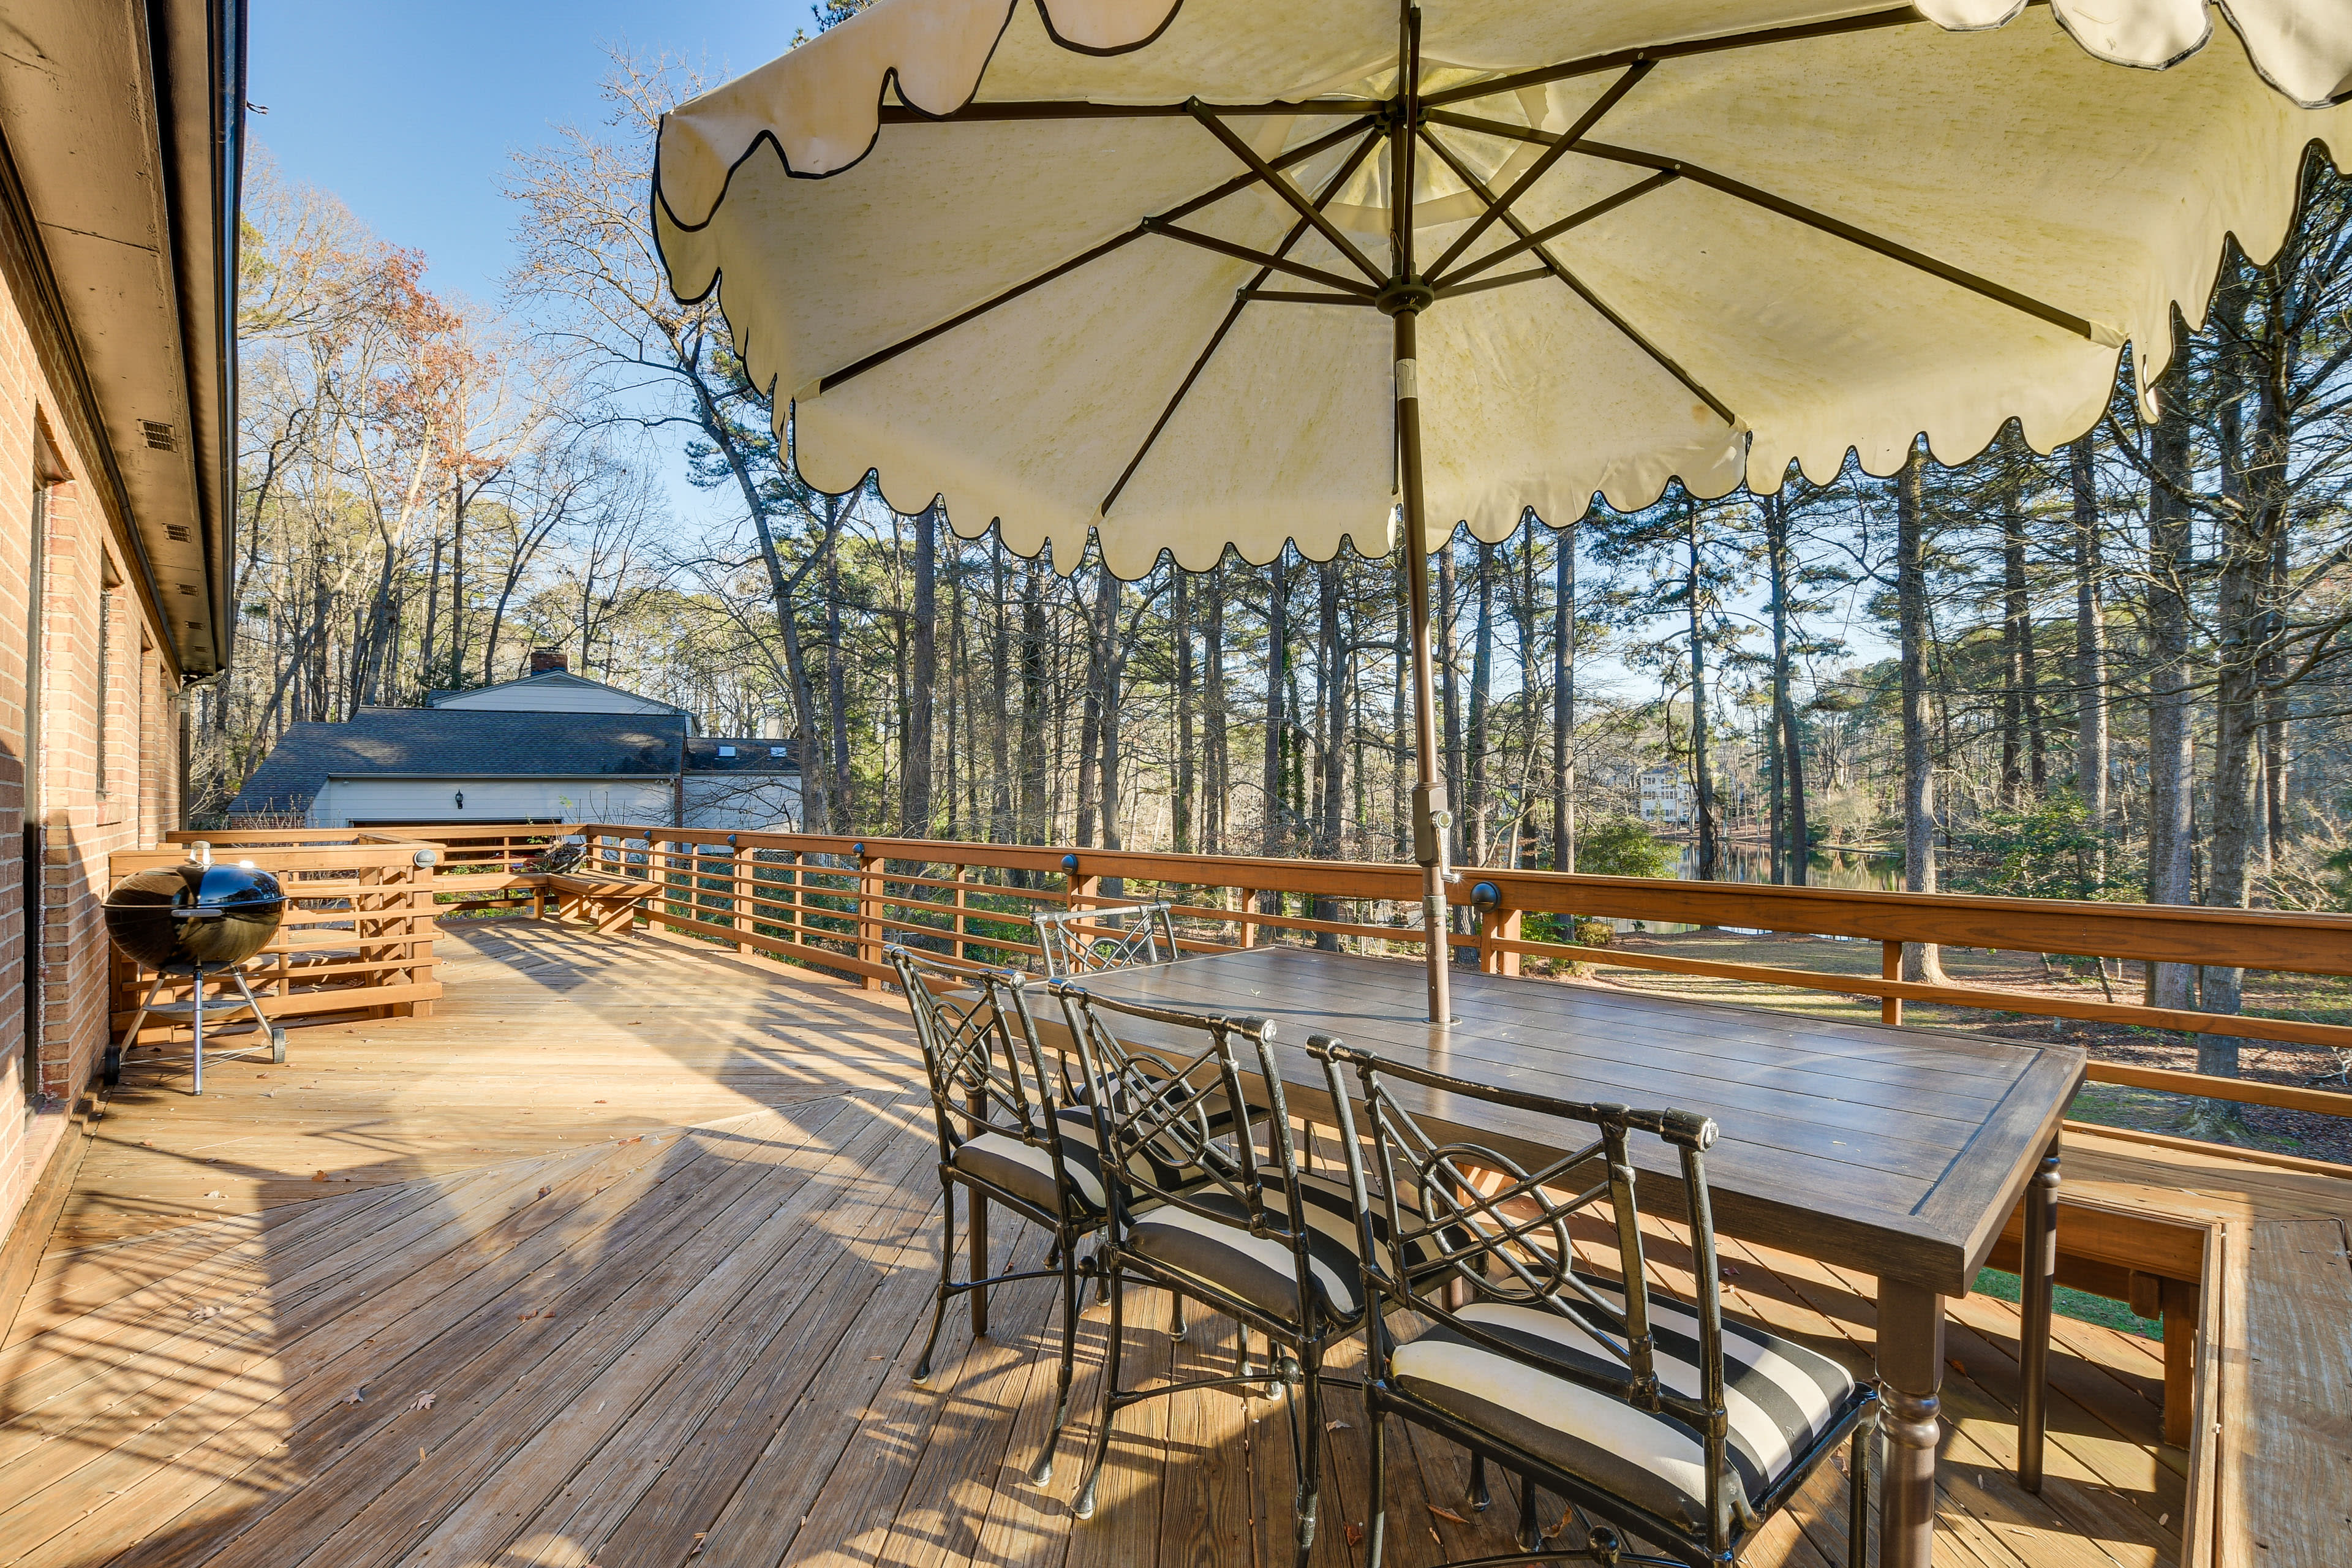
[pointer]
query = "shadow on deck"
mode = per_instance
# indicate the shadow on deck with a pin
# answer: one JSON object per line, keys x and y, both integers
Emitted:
{"x": 546, "y": 1323}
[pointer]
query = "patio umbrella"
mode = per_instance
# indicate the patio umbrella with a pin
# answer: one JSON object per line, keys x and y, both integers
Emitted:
{"x": 1188, "y": 274}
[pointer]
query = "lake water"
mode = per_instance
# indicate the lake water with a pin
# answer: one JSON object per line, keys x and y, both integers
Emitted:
{"x": 1847, "y": 869}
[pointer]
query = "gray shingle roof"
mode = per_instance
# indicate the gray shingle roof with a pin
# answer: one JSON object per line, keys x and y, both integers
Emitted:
{"x": 455, "y": 744}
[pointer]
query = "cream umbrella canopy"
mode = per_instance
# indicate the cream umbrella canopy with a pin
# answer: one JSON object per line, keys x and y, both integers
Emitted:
{"x": 1137, "y": 268}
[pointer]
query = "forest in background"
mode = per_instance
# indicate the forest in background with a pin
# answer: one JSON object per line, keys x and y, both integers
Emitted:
{"x": 2112, "y": 671}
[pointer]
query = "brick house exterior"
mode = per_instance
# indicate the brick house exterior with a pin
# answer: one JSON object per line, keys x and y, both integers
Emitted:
{"x": 120, "y": 132}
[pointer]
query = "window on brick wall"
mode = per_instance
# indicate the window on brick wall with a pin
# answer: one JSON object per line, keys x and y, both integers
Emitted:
{"x": 105, "y": 683}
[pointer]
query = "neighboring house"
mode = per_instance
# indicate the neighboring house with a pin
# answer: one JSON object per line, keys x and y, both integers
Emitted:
{"x": 120, "y": 130}
{"x": 548, "y": 748}
{"x": 1666, "y": 797}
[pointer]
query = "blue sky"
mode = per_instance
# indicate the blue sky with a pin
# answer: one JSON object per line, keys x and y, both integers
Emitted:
{"x": 408, "y": 111}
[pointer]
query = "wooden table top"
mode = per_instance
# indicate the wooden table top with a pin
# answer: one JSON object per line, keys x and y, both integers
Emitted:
{"x": 1896, "y": 1151}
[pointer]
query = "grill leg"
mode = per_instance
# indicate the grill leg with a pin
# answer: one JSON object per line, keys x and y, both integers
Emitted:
{"x": 197, "y": 1022}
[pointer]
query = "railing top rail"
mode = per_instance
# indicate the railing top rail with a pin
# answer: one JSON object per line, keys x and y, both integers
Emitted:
{"x": 2290, "y": 940}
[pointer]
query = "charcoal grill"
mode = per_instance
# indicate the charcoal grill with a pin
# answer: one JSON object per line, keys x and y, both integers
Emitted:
{"x": 198, "y": 921}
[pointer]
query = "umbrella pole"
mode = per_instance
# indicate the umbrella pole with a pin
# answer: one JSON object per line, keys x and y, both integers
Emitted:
{"x": 1430, "y": 816}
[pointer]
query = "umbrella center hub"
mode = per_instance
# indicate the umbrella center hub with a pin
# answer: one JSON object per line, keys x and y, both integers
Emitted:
{"x": 1403, "y": 296}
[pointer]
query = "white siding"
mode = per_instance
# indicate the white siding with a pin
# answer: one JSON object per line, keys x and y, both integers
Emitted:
{"x": 345, "y": 800}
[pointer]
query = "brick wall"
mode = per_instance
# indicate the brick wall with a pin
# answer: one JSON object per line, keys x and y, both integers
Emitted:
{"x": 85, "y": 817}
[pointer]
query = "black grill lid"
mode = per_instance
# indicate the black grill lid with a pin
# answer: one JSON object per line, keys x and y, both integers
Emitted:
{"x": 178, "y": 917}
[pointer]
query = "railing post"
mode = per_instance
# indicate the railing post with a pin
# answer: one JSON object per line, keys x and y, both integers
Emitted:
{"x": 1890, "y": 967}
{"x": 423, "y": 924}
{"x": 1495, "y": 923}
{"x": 1241, "y": 916}
{"x": 962, "y": 916}
{"x": 869, "y": 915}
{"x": 745, "y": 868}
{"x": 796, "y": 930}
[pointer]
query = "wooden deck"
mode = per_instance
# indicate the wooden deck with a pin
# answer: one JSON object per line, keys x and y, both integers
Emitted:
{"x": 621, "y": 1258}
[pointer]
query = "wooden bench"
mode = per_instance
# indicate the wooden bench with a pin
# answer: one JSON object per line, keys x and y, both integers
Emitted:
{"x": 2270, "y": 1475}
{"x": 607, "y": 903}
{"x": 2152, "y": 1263}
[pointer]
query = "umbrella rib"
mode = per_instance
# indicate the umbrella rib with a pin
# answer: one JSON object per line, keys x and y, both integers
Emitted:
{"x": 1617, "y": 59}
{"x": 1311, "y": 211}
{"x": 1664, "y": 360}
{"x": 1542, "y": 165}
{"x": 1892, "y": 249}
{"x": 1451, "y": 290}
{"x": 1305, "y": 149}
{"x": 900, "y": 114}
{"x": 1601, "y": 208}
{"x": 1300, "y": 297}
{"x": 1241, "y": 300}
{"x": 1263, "y": 258}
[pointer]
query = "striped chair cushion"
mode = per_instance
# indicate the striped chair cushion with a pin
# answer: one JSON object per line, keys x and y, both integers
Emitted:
{"x": 1027, "y": 1169}
{"x": 1217, "y": 1248}
{"x": 1780, "y": 1396}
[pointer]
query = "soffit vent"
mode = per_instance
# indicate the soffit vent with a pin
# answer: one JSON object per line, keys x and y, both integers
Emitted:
{"x": 177, "y": 532}
{"x": 159, "y": 435}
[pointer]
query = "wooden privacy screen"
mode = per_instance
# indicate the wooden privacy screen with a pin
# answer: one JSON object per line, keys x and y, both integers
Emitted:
{"x": 357, "y": 939}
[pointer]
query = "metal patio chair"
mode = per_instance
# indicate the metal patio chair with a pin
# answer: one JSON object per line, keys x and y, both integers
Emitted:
{"x": 1208, "y": 1200}
{"x": 1079, "y": 942}
{"x": 1006, "y": 1136}
{"x": 1649, "y": 1413}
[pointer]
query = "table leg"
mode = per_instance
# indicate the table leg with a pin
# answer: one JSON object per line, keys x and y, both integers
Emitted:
{"x": 1911, "y": 1379}
{"x": 2037, "y": 1268}
{"x": 979, "y": 1207}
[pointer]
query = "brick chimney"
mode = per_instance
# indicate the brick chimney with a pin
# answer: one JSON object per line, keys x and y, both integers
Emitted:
{"x": 547, "y": 660}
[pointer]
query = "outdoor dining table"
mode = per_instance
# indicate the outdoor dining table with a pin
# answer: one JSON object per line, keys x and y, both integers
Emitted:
{"x": 1898, "y": 1153}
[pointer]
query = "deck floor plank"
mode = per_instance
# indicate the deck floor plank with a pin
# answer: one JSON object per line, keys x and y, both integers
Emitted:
{"x": 738, "y": 1297}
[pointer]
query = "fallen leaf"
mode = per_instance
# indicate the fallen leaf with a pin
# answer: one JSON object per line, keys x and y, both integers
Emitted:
{"x": 143, "y": 1143}
{"x": 600, "y": 1102}
{"x": 1447, "y": 1513}
{"x": 1954, "y": 1363}
{"x": 700, "y": 1537}
{"x": 357, "y": 1395}
{"x": 1355, "y": 1535}
{"x": 544, "y": 1190}
{"x": 216, "y": 1195}
{"x": 420, "y": 1456}
{"x": 270, "y": 1094}
{"x": 1439, "y": 1538}
{"x": 421, "y": 1402}
{"x": 1839, "y": 1461}
{"x": 318, "y": 1175}
{"x": 1334, "y": 1426}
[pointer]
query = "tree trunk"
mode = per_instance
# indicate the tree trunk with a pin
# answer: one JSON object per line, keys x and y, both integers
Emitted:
{"x": 2171, "y": 759}
{"x": 2090, "y": 656}
{"x": 1278, "y": 682}
{"x": 1791, "y": 843}
{"x": 1179, "y": 793}
{"x": 1701, "y": 776}
{"x": 2016, "y": 636}
{"x": 915, "y": 769}
{"x": 1449, "y": 687}
{"x": 1090, "y": 718}
{"x": 1213, "y": 696}
{"x": 1920, "y": 960}
{"x": 1477, "y": 805}
{"x": 1563, "y": 703}
{"x": 1002, "y": 827}
{"x": 845, "y": 785}
{"x": 1035, "y": 783}
{"x": 1332, "y": 686}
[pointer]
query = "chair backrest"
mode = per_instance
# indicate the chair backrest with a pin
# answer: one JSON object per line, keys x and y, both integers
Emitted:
{"x": 1176, "y": 1125}
{"x": 1088, "y": 942}
{"x": 1503, "y": 1229}
{"x": 982, "y": 1055}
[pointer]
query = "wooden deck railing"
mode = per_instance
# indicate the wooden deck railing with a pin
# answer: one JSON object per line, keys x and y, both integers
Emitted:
{"x": 357, "y": 937}
{"x": 834, "y": 901}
